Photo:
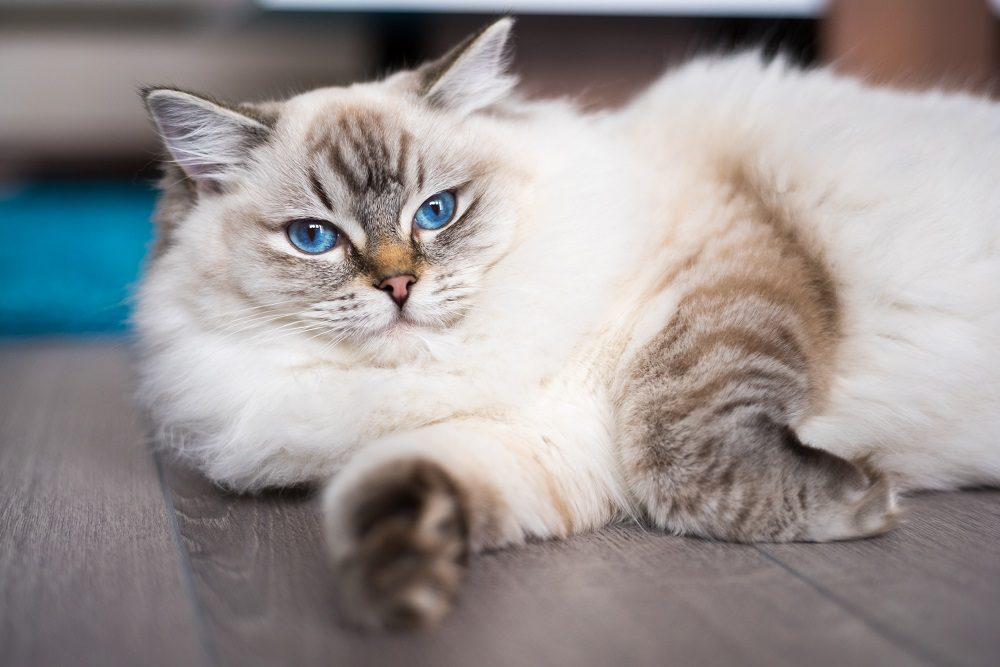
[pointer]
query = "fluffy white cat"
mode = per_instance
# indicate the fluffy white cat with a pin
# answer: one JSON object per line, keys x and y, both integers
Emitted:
{"x": 749, "y": 306}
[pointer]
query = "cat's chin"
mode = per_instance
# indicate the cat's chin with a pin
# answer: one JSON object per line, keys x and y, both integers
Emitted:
{"x": 399, "y": 324}
{"x": 403, "y": 340}
{"x": 411, "y": 322}
{"x": 400, "y": 327}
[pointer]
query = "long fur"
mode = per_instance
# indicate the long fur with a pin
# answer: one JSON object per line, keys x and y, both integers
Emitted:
{"x": 514, "y": 392}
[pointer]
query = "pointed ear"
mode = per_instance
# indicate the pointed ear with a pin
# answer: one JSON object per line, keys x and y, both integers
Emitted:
{"x": 207, "y": 140}
{"x": 473, "y": 75}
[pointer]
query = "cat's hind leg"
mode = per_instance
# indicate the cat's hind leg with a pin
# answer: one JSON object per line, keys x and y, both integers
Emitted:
{"x": 740, "y": 475}
{"x": 706, "y": 409}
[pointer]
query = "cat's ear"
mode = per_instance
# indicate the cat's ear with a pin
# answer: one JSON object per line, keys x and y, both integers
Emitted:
{"x": 207, "y": 140}
{"x": 474, "y": 74}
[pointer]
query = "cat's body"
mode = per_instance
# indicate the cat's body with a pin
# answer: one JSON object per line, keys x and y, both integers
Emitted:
{"x": 637, "y": 312}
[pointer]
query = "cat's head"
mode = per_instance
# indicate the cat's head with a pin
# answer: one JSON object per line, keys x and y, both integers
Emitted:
{"x": 358, "y": 215}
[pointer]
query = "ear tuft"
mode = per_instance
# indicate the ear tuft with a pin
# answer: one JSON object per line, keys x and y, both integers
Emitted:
{"x": 206, "y": 139}
{"x": 473, "y": 75}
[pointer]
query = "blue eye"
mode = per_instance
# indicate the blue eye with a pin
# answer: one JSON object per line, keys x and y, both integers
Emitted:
{"x": 312, "y": 237}
{"x": 436, "y": 212}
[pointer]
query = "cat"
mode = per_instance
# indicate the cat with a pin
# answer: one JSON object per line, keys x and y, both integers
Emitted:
{"x": 754, "y": 304}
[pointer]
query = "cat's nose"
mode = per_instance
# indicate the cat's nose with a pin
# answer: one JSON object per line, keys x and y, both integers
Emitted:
{"x": 398, "y": 287}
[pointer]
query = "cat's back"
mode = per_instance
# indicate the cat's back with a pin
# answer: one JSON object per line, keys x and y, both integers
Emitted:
{"x": 893, "y": 186}
{"x": 813, "y": 127}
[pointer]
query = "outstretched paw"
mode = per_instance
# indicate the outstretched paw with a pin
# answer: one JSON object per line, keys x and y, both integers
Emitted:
{"x": 400, "y": 543}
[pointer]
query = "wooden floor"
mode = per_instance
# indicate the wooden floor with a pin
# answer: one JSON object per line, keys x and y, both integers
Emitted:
{"x": 109, "y": 556}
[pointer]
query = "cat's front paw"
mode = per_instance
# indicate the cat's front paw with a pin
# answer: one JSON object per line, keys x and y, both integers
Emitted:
{"x": 399, "y": 535}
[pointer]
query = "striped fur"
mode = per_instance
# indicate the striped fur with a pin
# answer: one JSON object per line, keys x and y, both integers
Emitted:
{"x": 708, "y": 410}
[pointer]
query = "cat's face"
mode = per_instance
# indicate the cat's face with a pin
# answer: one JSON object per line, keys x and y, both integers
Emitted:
{"x": 359, "y": 215}
{"x": 367, "y": 214}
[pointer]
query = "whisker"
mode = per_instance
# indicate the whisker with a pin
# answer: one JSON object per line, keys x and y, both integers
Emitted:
{"x": 269, "y": 336}
{"x": 249, "y": 325}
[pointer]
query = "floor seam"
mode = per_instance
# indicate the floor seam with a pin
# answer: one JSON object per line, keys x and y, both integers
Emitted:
{"x": 899, "y": 641}
{"x": 184, "y": 556}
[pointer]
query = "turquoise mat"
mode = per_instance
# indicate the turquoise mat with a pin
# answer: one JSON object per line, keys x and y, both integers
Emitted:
{"x": 70, "y": 255}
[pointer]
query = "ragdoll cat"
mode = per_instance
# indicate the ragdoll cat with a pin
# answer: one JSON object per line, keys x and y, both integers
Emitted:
{"x": 751, "y": 305}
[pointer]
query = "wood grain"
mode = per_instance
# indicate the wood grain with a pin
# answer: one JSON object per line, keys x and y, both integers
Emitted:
{"x": 933, "y": 584}
{"x": 90, "y": 573}
{"x": 619, "y": 596}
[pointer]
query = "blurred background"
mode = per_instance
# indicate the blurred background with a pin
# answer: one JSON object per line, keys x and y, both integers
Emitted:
{"x": 78, "y": 157}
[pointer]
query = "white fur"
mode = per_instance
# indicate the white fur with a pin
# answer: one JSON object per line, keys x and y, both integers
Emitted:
{"x": 896, "y": 191}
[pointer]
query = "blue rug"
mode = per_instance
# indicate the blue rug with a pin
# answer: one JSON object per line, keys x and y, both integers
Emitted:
{"x": 70, "y": 255}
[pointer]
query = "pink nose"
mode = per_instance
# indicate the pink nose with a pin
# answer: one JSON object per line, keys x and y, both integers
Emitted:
{"x": 398, "y": 287}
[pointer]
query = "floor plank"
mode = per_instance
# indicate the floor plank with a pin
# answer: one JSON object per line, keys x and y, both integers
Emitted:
{"x": 619, "y": 596}
{"x": 90, "y": 572}
{"x": 933, "y": 584}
